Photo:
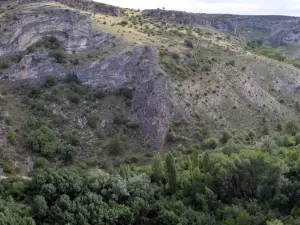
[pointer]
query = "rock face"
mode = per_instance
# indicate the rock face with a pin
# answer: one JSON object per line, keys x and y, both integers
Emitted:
{"x": 74, "y": 30}
{"x": 85, "y": 5}
{"x": 35, "y": 73}
{"x": 278, "y": 29}
{"x": 138, "y": 70}
{"x": 152, "y": 107}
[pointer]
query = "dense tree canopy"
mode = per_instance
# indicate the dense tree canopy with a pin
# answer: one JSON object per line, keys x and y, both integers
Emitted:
{"x": 246, "y": 186}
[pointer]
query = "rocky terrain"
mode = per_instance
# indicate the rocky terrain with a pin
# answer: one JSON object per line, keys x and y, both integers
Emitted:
{"x": 168, "y": 79}
{"x": 86, "y": 5}
{"x": 275, "y": 30}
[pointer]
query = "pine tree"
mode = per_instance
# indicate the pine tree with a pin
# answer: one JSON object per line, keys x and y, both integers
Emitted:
{"x": 157, "y": 168}
{"x": 171, "y": 173}
{"x": 205, "y": 162}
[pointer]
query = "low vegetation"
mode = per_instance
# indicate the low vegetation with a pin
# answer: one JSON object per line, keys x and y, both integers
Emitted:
{"x": 92, "y": 166}
{"x": 252, "y": 185}
{"x": 258, "y": 47}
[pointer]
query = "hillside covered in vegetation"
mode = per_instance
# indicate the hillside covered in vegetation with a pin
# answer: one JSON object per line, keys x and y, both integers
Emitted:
{"x": 127, "y": 117}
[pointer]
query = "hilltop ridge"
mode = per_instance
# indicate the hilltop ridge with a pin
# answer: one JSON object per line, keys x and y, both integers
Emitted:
{"x": 274, "y": 30}
{"x": 86, "y": 5}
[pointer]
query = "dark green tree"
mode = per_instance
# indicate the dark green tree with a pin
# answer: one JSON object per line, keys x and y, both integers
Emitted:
{"x": 171, "y": 173}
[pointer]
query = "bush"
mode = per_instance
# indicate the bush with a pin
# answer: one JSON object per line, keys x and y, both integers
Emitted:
{"x": 72, "y": 77}
{"x": 50, "y": 82}
{"x": 225, "y": 137}
{"x": 40, "y": 162}
{"x": 123, "y": 23}
{"x": 255, "y": 43}
{"x": 99, "y": 94}
{"x": 126, "y": 92}
{"x": 51, "y": 42}
{"x": 41, "y": 107}
{"x": 92, "y": 121}
{"x": 4, "y": 64}
{"x": 34, "y": 92}
{"x": 119, "y": 120}
{"x": 206, "y": 68}
{"x": 75, "y": 62}
{"x": 12, "y": 136}
{"x": 59, "y": 57}
{"x": 73, "y": 97}
{"x": 232, "y": 62}
{"x": 189, "y": 43}
{"x": 230, "y": 147}
{"x": 292, "y": 128}
{"x": 72, "y": 138}
{"x": 116, "y": 146}
{"x": 7, "y": 166}
{"x": 296, "y": 64}
{"x": 289, "y": 141}
{"x": 270, "y": 52}
{"x": 297, "y": 137}
{"x": 42, "y": 141}
{"x": 210, "y": 143}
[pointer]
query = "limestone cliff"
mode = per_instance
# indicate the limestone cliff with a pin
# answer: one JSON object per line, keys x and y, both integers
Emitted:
{"x": 275, "y": 29}
{"x": 86, "y": 5}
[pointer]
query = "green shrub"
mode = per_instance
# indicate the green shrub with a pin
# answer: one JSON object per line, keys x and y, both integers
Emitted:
{"x": 50, "y": 82}
{"x": 73, "y": 97}
{"x": 42, "y": 141}
{"x": 75, "y": 62}
{"x": 296, "y": 64}
{"x": 297, "y": 137}
{"x": 92, "y": 121}
{"x": 289, "y": 141}
{"x": 210, "y": 143}
{"x": 12, "y": 136}
{"x": 79, "y": 89}
{"x": 292, "y": 127}
{"x": 40, "y": 162}
{"x": 171, "y": 136}
{"x": 34, "y": 92}
{"x": 270, "y": 52}
{"x": 119, "y": 120}
{"x": 72, "y": 138}
{"x": 123, "y": 23}
{"x": 230, "y": 147}
{"x": 72, "y": 77}
{"x": 41, "y": 107}
{"x": 4, "y": 64}
{"x": 232, "y": 62}
{"x": 225, "y": 137}
{"x": 59, "y": 57}
{"x": 126, "y": 92}
{"x": 206, "y": 68}
{"x": 7, "y": 166}
{"x": 116, "y": 146}
{"x": 51, "y": 42}
{"x": 99, "y": 94}
{"x": 143, "y": 57}
{"x": 255, "y": 43}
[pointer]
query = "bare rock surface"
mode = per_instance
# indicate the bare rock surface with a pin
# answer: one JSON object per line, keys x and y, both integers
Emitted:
{"x": 23, "y": 29}
{"x": 86, "y": 5}
{"x": 137, "y": 70}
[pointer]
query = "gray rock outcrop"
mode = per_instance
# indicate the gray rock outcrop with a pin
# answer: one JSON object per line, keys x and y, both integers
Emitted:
{"x": 86, "y": 5}
{"x": 152, "y": 107}
{"x": 23, "y": 29}
{"x": 277, "y": 29}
